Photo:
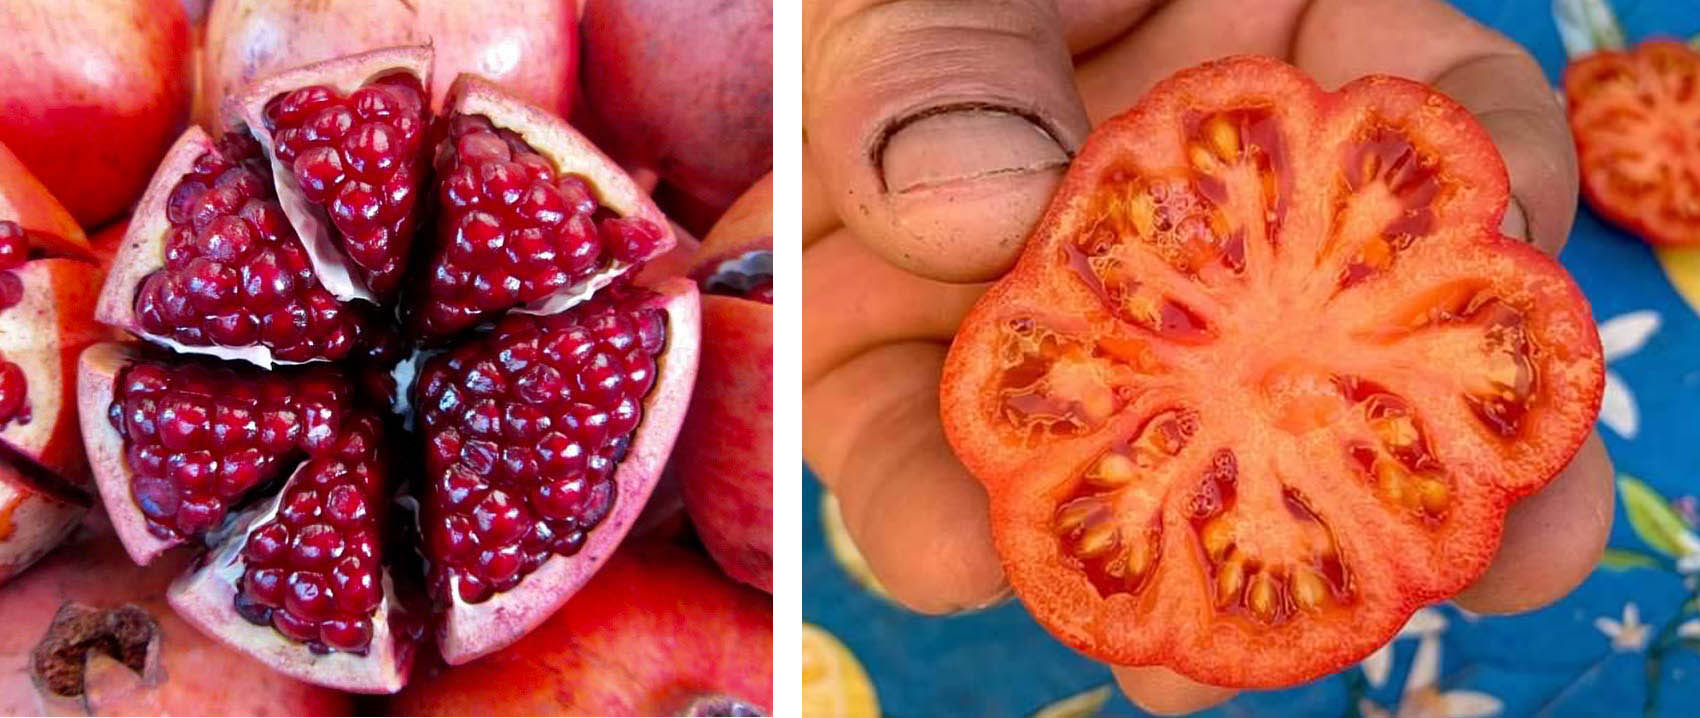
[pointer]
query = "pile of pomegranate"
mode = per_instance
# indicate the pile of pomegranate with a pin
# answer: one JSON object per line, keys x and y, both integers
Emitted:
{"x": 385, "y": 362}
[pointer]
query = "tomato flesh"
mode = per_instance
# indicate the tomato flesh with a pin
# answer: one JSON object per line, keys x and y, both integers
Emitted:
{"x": 1636, "y": 118}
{"x": 1267, "y": 377}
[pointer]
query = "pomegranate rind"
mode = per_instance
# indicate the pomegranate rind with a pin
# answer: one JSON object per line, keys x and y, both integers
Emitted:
{"x": 312, "y": 224}
{"x": 1173, "y": 622}
{"x": 470, "y": 630}
{"x": 725, "y": 452}
{"x": 206, "y": 598}
{"x": 97, "y": 384}
{"x": 572, "y": 153}
{"x": 27, "y": 202}
{"x": 33, "y": 520}
{"x": 43, "y": 334}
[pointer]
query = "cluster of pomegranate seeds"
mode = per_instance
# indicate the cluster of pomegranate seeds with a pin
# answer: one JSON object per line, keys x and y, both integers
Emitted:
{"x": 14, "y": 251}
{"x": 513, "y": 229}
{"x": 359, "y": 157}
{"x": 312, "y": 571}
{"x": 198, "y": 436}
{"x": 523, "y": 430}
{"x": 14, "y": 388}
{"x": 235, "y": 272}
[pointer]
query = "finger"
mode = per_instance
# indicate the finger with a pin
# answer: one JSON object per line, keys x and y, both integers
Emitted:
{"x": 855, "y": 301}
{"x": 1088, "y": 24}
{"x": 1177, "y": 35}
{"x": 1493, "y": 77}
{"x": 1552, "y": 539}
{"x": 872, "y": 433}
{"x": 819, "y": 217}
{"x": 1164, "y": 692}
{"x": 940, "y": 129}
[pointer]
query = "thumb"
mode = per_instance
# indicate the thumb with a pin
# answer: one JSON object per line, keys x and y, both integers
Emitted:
{"x": 940, "y": 129}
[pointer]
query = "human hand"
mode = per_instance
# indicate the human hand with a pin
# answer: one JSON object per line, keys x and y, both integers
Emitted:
{"x": 937, "y": 132}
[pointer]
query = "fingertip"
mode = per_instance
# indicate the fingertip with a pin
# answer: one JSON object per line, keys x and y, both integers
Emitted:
{"x": 1161, "y": 691}
{"x": 1552, "y": 540}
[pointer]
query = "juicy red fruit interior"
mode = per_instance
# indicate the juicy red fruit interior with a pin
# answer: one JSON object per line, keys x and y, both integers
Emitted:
{"x": 235, "y": 272}
{"x": 358, "y": 156}
{"x": 514, "y": 229}
{"x": 200, "y": 436}
{"x": 524, "y": 429}
{"x": 313, "y": 570}
{"x": 14, "y": 386}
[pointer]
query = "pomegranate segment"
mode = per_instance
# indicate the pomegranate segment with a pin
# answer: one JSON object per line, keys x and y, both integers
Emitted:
{"x": 1267, "y": 376}
{"x": 346, "y": 139}
{"x": 313, "y": 571}
{"x": 198, "y": 438}
{"x": 544, "y": 441}
{"x": 307, "y": 607}
{"x": 211, "y": 265}
{"x": 531, "y": 214}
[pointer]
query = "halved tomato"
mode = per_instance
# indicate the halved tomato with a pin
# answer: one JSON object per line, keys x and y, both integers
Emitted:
{"x": 1267, "y": 376}
{"x": 1636, "y": 117}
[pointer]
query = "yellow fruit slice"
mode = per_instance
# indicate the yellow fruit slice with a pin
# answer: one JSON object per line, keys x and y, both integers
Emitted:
{"x": 834, "y": 683}
{"x": 1682, "y": 265}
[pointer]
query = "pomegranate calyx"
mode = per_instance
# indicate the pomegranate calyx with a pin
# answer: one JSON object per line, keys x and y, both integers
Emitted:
{"x": 66, "y": 664}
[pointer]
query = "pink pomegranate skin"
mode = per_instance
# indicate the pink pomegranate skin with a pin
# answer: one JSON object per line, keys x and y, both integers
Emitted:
{"x": 529, "y": 47}
{"x": 684, "y": 87}
{"x": 657, "y": 628}
{"x": 95, "y": 92}
{"x": 186, "y": 673}
{"x": 725, "y": 453}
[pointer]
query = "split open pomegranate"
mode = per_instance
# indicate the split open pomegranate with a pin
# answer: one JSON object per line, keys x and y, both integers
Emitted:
{"x": 274, "y": 269}
{"x": 1267, "y": 377}
{"x": 47, "y": 294}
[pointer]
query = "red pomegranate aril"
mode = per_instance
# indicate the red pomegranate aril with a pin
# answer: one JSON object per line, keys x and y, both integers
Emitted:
{"x": 14, "y": 245}
{"x": 14, "y": 390}
{"x": 524, "y": 470}
{"x": 360, "y": 157}
{"x": 11, "y": 290}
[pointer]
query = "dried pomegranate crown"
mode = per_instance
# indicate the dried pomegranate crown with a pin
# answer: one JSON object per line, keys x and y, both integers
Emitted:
{"x": 1267, "y": 376}
{"x": 340, "y": 226}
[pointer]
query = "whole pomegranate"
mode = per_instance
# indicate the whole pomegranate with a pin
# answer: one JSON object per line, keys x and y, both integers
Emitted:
{"x": 89, "y": 633}
{"x": 47, "y": 293}
{"x": 339, "y": 387}
{"x": 94, "y": 92}
{"x": 725, "y": 453}
{"x": 657, "y": 632}
{"x": 528, "y": 47}
{"x": 685, "y": 87}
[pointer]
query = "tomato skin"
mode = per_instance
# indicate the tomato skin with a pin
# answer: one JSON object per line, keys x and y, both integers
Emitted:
{"x": 1380, "y": 564}
{"x": 1625, "y": 115}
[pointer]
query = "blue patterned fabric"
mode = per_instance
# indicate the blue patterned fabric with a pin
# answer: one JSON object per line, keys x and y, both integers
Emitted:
{"x": 1627, "y": 642}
